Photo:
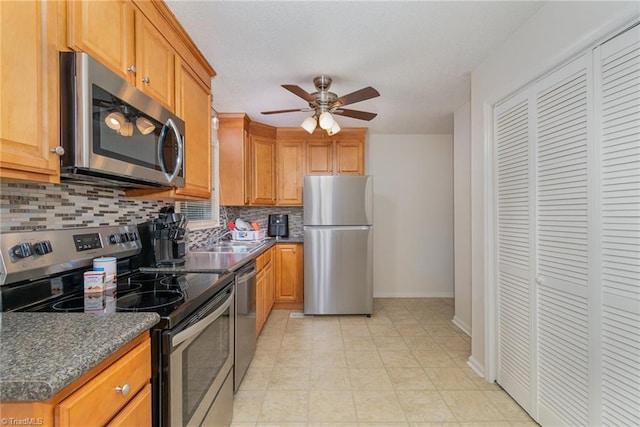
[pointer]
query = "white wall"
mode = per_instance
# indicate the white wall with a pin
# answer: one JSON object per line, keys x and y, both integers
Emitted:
{"x": 413, "y": 214}
{"x": 559, "y": 30}
{"x": 462, "y": 216}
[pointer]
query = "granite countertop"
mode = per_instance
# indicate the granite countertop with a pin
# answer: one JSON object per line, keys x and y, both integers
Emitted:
{"x": 202, "y": 261}
{"x": 41, "y": 353}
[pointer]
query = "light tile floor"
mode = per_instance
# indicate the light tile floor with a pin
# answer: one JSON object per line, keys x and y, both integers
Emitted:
{"x": 403, "y": 366}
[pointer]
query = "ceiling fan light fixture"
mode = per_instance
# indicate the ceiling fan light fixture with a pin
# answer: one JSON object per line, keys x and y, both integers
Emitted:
{"x": 309, "y": 124}
{"x": 126, "y": 129}
{"x": 326, "y": 120}
{"x": 144, "y": 125}
{"x": 115, "y": 120}
{"x": 334, "y": 129}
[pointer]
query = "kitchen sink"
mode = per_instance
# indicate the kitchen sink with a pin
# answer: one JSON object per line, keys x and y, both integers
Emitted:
{"x": 232, "y": 247}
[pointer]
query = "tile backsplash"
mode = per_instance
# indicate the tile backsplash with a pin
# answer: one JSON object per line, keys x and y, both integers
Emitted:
{"x": 34, "y": 206}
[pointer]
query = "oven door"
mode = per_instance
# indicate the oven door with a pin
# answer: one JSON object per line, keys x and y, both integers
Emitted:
{"x": 201, "y": 358}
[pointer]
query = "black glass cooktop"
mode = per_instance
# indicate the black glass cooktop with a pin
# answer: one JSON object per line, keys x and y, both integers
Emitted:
{"x": 173, "y": 297}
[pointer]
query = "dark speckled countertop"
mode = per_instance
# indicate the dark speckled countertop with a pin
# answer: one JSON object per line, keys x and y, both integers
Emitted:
{"x": 41, "y": 353}
{"x": 203, "y": 261}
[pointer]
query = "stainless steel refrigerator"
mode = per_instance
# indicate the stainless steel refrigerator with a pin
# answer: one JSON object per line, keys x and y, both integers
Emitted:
{"x": 338, "y": 244}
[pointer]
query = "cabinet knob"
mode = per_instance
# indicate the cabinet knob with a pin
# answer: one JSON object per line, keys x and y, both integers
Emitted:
{"x": 123, "y": 389}
{"x": 132, "y": 69}
{"x": 58, "y": 150}
{"x": 146, "y": 80}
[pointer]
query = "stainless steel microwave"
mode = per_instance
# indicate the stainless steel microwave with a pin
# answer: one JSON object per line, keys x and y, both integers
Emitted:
{"x": 112, "y": 133}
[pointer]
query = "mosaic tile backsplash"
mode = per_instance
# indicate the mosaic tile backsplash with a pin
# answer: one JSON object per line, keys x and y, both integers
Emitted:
{"x": 32, "y": 206}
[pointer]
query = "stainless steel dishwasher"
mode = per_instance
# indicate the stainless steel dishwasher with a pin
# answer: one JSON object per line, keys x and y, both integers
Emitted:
{"x": 245, "y": 331}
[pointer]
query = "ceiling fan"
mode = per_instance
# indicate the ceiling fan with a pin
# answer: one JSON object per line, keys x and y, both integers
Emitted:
{"x": 324, "y": 104}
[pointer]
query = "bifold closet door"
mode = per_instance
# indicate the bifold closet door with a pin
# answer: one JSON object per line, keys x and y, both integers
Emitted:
{"x": 617, "y": 75}
{"x": 516, "y": 337}
{"x": 563, "y": 214}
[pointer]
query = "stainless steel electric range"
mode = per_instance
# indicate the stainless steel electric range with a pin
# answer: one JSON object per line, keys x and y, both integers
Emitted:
{"x": 192, "y": 345}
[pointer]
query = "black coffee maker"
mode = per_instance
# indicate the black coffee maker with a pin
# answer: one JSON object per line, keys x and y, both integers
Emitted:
{"x": 278, "y": 225}
{"x": 163, "y": 239}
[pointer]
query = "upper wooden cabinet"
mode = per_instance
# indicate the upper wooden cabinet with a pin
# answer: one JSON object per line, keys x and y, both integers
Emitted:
{"x": 105, "y": 30}
{"x": 29, "y": 91}
{"x": 138, "y": 52}
{"x": 263, "y": 170}
{"x": 290, "y": 167}
{"x": 349, "y": 157}
{"x": 319, "y": 159}
{"x": 234, "y": 151}
{"x": 247, "y": 161}
{"x": 155, "y": 65}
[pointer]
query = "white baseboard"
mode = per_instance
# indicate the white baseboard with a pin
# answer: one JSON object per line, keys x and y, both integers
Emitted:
{"x": 476, "y": 366}
{"x": 462, "y": 325}
{"x": 412, "y": 294}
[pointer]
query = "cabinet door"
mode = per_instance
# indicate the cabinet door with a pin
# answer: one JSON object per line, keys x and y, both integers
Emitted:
{"x": 320, "y": 158}
{"x": 29, "y": 91}
{"x": 269, "y": 290}
{"x": 104, "y": 29}
{"x": 234, "y": 159}
{"x": 260, "y": 303}
{"x": 289, "y": 284}
{"x": 154, "y": 62}
{"x": 263, "y": 179}
{"x": 193, "y": 105}
{"x": 290, "y": 172}
{"x": 349, "y": 157}
{"x": 137, "y": 412}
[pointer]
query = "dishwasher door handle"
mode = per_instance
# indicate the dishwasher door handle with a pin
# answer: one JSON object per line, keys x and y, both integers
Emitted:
{"x": 245, "y": 277}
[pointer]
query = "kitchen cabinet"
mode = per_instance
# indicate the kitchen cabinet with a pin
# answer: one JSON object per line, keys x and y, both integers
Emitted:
{"x": 263, "y": 171}
{"x": 29, "y": 104}
{"x": 349, "y": 158}
{"x": 289, "y": 276}
{"x": 247, "y": 161}
{"x": 193, "y": 105}
{"x": 116, "y": 392}
{"x": 341, "y": 154}
{"x": 264, "y": 288}
{"x": 105, "y": 30}
{"x": 122, "y": 38}
{"x": 335, "y": 157}
{"x": 289, "y": 164}
{"x": 235, "y": 166}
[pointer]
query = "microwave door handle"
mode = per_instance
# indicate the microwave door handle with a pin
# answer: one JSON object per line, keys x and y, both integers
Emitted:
{"x": 163, "y": 136}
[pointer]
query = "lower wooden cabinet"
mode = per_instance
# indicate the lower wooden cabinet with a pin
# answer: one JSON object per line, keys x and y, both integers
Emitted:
{"x": 289, "y": 274}
{"x": 117, "y": 392}
{"x": 264, "y": 288}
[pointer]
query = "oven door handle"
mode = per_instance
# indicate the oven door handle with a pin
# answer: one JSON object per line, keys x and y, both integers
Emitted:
{"x": 202, "y": 324}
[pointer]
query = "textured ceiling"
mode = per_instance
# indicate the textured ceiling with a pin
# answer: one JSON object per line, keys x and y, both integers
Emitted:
{"x": 417, "y": 54}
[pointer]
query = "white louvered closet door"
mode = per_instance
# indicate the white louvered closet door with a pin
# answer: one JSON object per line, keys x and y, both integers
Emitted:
{"x": 515, "y": 322}
{"x": 617, "y": 75}
{"x": 562, "y": 243}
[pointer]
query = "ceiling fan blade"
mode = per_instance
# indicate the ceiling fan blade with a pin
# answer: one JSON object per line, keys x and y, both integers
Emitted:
{"x": 357, "y": 96}
{"x": 356, "y": 114}
{"x": 286, "y": 111}
{"x": 297, "y": 90}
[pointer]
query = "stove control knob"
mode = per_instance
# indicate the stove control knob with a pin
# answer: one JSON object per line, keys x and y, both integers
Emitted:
{"x": 23, "y": 250}
{"x": 43, "y": 247}
{"x": 114, "y": 238}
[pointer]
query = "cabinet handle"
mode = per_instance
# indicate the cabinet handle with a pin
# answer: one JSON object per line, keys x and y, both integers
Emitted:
{"x": 146, "y": 80}
{"x": 132, "y": 69}
{"x": 58, "y": 150}
{"x": 123, "y": 389}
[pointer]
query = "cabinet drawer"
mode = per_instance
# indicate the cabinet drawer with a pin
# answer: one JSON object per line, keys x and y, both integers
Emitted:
{"x": 137, "y": 412}
{"x": 98, "y": 401}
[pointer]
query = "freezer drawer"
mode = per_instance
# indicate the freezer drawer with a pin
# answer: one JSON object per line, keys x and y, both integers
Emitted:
{"x": 338, "y": 270}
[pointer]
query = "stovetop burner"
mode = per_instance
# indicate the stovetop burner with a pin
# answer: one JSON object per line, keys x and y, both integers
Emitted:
{"x": 148, "y": 300}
